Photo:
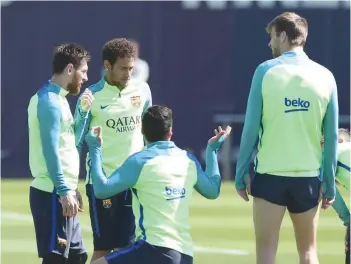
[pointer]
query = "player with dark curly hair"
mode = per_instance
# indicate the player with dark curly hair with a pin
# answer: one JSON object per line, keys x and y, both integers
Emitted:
{"x": 116, "y": 103}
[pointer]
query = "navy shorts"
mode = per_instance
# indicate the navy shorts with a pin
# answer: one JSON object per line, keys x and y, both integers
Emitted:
{"x": 298, "y": 194}
{"x": 112, "y": 220}
{"x": 143, "y": 252}
{"x": 54, "y": 232}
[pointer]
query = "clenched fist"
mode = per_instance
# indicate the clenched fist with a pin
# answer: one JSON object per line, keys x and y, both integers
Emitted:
{"x": 86, "y": 100}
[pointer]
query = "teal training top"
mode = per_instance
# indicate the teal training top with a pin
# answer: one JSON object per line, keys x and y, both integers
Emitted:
{"x": 162, "y": 178}
{"x": 119, "y": 114}
{"x": 53, "y": 157}
{"x": 292, "y": 101}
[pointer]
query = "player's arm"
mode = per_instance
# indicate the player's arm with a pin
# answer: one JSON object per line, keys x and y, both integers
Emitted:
{"x": 209, "y": 181}
{"x": 330, "y": 129}
{"x": 123, "y": 178}
{"x": 251, "y": 128}
{"x": 82, "y": 119}
{"x": 341, "y": 208}
{"x": 49, "y": 118}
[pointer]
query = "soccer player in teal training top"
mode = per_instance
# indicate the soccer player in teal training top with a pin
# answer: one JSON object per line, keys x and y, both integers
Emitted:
{"x": 292, "y": 101}
{"x": 54, "y": 160}
{"x": 162, "y": 178}
{"x": 343, "y": 176}
{"x": 116, "y": 103}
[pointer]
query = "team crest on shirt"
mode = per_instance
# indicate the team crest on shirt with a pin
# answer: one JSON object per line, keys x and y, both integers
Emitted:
{"x": 107, "y": 203}
{"x": 136, "y": 101}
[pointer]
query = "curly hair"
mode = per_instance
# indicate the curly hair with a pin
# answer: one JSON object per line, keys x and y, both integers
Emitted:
{"x": 66, "y": 54}
{"x": 118, "y": 48}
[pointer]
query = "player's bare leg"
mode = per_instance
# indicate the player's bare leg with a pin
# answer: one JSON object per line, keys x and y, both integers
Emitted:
{"x": 305, "y": 226}
{"x": 267, "y": 221}
{"x": 100, "y": 261}
{"x": 99, "y": 254}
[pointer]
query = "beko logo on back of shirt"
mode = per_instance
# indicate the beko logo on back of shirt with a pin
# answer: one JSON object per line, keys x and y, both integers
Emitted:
{"x": 297, "y": 104}
{"x": 173, "y": 193}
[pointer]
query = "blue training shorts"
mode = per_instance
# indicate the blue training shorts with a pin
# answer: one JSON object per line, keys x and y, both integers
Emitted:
{"x": 298, "y": 194}
{"x": 54, "y": 232}
{"x": 145, "y": 253}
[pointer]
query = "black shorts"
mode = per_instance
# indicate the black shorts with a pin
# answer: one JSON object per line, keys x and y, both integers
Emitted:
{"x": 298, "y": 194}
{"x": 143, "y": 252}
{"x": 54, "y": 231}
{"x": 112, "y": 220}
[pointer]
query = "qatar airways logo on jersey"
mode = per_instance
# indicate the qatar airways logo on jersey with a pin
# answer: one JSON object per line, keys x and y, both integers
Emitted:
{"x": 296, "y": 105}
{"x": 173, "y": 193}
{"x": 124, "y": 124}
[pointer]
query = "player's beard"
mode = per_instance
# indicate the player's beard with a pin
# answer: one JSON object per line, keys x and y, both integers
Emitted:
{"x": 115, "y": 82}
{"x": 74, "y": 87}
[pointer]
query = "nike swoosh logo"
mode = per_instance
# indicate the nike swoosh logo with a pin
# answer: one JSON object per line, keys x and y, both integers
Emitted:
{"x": 103, "y": 106}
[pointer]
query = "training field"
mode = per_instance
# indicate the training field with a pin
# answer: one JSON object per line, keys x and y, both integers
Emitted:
{"x": 222, "y": 230}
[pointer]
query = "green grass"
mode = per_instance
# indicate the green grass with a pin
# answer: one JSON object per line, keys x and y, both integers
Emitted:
{"x": 224, "y": 223}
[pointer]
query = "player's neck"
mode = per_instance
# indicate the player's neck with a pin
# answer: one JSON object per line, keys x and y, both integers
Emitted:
{"x": 118, "y": 86}
{"x": 294, "y": 49}
{"x": 59, "y": 80}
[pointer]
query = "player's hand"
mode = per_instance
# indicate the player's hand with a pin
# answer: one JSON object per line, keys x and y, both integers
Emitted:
{"x": 86, "y": 100}
{"x": 69, "y": 204}
{"x": 220, "y": 136}
{"x": 245, "y": 192}
{"x": 80, "y": 201}
{"x": 94, "y": 137}
{"x": 323, "y": 192}
{"x": 327, "y": 202}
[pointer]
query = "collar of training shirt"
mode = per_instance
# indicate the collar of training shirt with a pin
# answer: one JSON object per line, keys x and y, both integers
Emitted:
{"x": 162, "y": 144}
{"x": 60, "y": 90}
{"x": 294, "y": 53}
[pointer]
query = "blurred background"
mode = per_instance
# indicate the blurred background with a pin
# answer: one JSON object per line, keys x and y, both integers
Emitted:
{"x": 198, "y": 58}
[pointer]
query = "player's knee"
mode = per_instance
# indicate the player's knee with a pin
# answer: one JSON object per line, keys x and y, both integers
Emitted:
{"x": 54, "y": 259}
{"x": 78, "y": 259}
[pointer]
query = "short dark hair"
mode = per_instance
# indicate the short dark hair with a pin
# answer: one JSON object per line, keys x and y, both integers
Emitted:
{"x": 344, "y": 134}
{"x": 66, "y": 54}
{"x": 156, "y": 123}
{"x": 118, "y": 48}
{"x": 295, "y": 27}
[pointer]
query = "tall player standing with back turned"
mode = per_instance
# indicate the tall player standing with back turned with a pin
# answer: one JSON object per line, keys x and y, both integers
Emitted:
{"x": 292, "y": 101}
{"x": 54, "y": 160}
{"x": 115, "y": 103}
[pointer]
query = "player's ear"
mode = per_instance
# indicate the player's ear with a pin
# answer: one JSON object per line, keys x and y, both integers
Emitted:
{"x": 170, "y": 133}
{"x": 282, "y": 36}
{"x": 70, "y": 68}
{"x": 340, "y": 140}
{"x": 107, "y": 65}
